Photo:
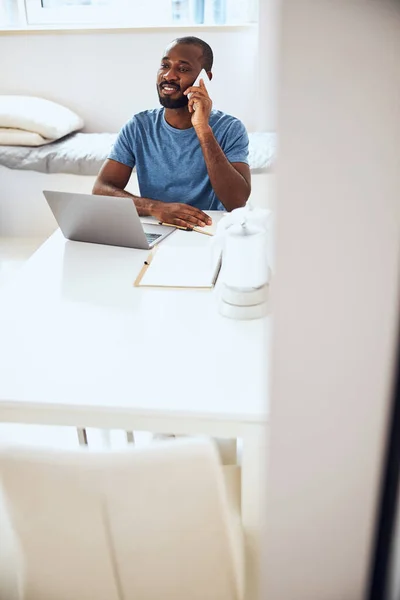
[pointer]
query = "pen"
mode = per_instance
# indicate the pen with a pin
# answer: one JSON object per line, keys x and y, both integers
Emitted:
{"x": 150, "y": 256}
{"x": 200, "y": 230}
{"x": 176, "y": 226}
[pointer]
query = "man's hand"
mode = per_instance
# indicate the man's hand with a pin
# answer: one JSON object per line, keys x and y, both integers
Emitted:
{"x": 182, "y": 215}
{"x": 199, "y": 105}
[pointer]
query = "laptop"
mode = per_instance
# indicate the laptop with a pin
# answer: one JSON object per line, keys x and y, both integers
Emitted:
{"x": 103, "y": 220}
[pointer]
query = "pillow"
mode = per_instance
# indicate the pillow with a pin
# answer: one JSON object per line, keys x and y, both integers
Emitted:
{"x": 21, "y": 137}
{"x": 49, "y": 119}
{"x": 262, "y": 149}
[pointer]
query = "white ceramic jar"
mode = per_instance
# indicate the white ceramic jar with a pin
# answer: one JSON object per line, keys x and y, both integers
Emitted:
{"x": 244, "y": 274}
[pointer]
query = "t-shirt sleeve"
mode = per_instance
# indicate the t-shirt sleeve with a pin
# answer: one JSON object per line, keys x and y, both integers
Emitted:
{"x": 123, "y": 149}
{"x": 236, "y": 146}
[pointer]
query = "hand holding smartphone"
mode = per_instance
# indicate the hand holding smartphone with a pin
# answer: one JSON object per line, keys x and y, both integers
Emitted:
{"x": 202, "y": 75}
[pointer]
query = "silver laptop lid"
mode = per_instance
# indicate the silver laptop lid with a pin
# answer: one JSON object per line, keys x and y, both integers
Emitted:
{"x": 100, "y": 219}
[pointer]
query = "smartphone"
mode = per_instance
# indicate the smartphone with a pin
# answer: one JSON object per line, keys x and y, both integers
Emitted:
{"x": 202, "y": 75}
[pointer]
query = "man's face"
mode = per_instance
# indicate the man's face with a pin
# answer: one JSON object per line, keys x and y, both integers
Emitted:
{"x": 178, "y": 70}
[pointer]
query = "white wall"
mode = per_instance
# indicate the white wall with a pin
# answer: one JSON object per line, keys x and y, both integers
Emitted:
{"x": 108, "y": 76}
{"x": 267, "y": 63}
{"x": 335, "y": 294}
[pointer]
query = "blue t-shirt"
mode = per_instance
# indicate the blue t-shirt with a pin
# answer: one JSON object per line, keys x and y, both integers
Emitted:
{"x": 169, "y": 162}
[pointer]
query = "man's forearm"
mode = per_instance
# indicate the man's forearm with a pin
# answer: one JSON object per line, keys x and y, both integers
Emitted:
{"x": 145, "y": 206}
{"x": 230, "y": 187}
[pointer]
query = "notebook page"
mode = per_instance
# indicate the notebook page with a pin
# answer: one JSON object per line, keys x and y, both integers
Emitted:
{"x": 190, "y": 267}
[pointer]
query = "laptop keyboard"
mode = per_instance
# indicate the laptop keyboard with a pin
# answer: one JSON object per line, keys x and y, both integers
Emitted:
{"x": 152, "y": 237}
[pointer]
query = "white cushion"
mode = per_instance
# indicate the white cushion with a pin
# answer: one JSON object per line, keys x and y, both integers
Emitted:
{"x": 44, "y": 117}
{"x": 21, "y": 137}
{"x": 262, "y": 149}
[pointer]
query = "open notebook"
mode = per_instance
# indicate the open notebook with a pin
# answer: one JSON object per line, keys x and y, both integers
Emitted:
{"x": 177, "y": 267}
{"x": 207, "y": 229}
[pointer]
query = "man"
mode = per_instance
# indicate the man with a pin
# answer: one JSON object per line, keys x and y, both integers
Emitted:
{"x": 188, "y": 157}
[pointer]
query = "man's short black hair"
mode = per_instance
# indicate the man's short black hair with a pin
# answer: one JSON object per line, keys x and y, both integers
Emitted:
{"x": 208, "y": 56}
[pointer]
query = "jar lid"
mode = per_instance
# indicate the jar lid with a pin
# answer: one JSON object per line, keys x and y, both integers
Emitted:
{"x": 244, "y": 229}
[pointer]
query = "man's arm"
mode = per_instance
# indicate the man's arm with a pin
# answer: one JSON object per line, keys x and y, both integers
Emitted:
{"x": 230, "y": 181}
{"x": 112, "y": 180}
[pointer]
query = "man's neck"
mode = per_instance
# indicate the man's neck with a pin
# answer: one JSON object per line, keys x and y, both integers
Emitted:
{"x": 179, "y": 118}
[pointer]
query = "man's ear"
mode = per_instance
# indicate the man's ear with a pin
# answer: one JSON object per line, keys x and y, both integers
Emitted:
{"x": 210, "y": 75}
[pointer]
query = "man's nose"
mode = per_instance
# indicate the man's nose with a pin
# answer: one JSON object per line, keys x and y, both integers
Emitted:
{"x": 171, "y": 75}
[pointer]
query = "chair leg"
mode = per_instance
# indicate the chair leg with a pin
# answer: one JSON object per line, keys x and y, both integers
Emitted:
{"x": 82, "y": 437}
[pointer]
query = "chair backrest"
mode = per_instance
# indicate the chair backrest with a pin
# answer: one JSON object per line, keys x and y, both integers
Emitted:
{"x": 140, "y": 524}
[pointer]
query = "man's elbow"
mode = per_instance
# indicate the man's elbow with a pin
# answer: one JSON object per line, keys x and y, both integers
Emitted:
{"x": 240, "y": 201}
{"x": 243, "y": 199}
{"x": 98, "y": 188}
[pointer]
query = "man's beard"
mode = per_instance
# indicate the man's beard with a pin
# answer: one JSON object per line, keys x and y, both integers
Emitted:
{"x": 168, "y": 102}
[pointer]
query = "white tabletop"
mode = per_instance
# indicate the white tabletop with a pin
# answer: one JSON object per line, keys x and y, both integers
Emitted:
{"x": 76, "y": 334}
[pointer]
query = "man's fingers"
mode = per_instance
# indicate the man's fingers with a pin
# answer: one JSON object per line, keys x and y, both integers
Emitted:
{"x": 196, "y": 212}
{"x": 183, "y": 223}
{"x": 200, "y": 217}
{"x": 186, "y": 220}
{"x": 186, "y": 215}
{"x": 178, "y": 221}
{"x": 193, "y": 221}
{"x": 193, "y": 101}
{"x": 198, "y": 96}
{"x": 203, "y": 86}
{"x": 196, "y": 90}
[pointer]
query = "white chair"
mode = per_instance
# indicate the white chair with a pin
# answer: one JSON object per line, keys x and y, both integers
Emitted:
{"x": 139, "y": 524}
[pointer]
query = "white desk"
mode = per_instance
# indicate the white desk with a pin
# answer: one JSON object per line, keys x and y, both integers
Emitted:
{"x": 81, "y": 346}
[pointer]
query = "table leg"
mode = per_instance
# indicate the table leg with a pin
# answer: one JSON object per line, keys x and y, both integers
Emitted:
{"x": 130, "y": 437}
{"x": 252, "y": 491}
